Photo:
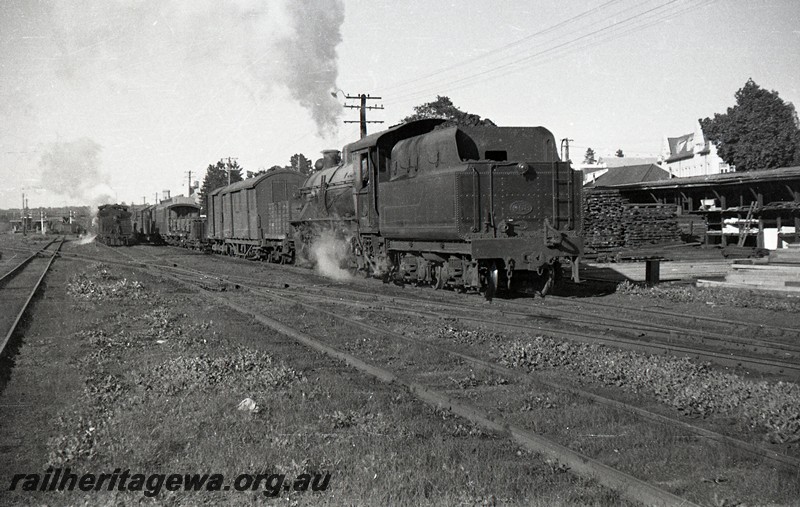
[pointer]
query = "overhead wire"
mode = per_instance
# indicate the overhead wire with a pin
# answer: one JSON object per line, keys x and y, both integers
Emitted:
{"x": 613, "y": 31}
{"x": 472, "y": 60}
{"x": 607, "y": 18}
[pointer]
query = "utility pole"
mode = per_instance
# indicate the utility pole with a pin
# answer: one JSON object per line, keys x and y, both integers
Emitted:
{"x": 228, "y": 166}
{"x": 362, "y": 107}
{"x": 156, "y": 201}
{"x": 22, "y": 223}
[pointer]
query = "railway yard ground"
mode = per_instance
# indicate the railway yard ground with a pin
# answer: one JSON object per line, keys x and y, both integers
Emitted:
{"x": 159, "y": 360}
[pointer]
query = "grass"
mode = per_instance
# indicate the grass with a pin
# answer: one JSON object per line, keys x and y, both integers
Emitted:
{"x": 156, "y": 381}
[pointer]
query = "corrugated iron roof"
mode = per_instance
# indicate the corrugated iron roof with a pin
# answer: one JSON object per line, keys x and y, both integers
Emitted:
{"x": 630, "y": 174}
{"x": 734, "y": 178}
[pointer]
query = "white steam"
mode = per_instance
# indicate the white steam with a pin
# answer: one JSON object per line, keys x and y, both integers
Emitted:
{"x": 253, "y": 43}
{"x": 329, "y": 254}
{"x": 86, "y": 239}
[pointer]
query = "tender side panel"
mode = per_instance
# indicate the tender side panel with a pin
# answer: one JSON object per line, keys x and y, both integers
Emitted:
{"x": 419, "y": 207}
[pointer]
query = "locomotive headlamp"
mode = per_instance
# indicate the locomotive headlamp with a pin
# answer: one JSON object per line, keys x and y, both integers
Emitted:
{"x": 523, "y": 168}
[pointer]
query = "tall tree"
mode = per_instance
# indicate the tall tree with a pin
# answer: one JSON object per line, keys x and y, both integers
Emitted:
{"x": 217, "y": 176}
{"x": 443, "y": 107}
{"x": 759, "y": 132}
{"x": 300, "y": 163}
{"x": 589, "y": 158}
{"x": 619, "y": 153}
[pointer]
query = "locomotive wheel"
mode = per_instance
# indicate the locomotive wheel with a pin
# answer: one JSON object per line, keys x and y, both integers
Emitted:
{"x": 492, "y": 279}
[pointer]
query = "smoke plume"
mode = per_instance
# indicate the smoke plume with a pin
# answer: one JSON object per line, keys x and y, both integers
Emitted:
{"x": 310, "y": 55}
{"x": 73, "y": 169}
{"x": 329, "y": 254}
{"x": 288, "y": 42}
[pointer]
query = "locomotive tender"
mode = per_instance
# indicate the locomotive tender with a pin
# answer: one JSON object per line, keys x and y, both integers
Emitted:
{"x": 467, "y": 207}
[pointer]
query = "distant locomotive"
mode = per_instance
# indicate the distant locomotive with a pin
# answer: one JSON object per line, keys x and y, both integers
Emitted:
{"x": 114, "y": 226}
{"x": 467, "y": 207}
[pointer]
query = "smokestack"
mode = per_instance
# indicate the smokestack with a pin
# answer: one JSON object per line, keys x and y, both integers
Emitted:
{"x": 331, "y": 158}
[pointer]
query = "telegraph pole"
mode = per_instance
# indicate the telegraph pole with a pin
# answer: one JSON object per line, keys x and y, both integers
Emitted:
{"x": 22, "y": 223}
{"x": 228, "y": 166}
{"x": 362, "y": 107}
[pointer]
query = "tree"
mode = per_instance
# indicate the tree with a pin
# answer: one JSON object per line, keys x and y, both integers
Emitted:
{"x": 619, "y": 153}
{"x": 443, "y": 107}
{"x": 216, "y": 177}
{"x": 300, "y": 163}
{"x": 589, "y": 158}
{"x": 759, "y": 132}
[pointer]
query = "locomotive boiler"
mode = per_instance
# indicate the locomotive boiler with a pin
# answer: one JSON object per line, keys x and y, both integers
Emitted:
{"x": 466, "y": 207}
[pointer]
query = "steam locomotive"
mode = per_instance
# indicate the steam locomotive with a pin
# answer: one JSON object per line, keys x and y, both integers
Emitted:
{"x": 466, "y": 207}
{"x": 114, "y": 227}
{"x": 474, "y": 208}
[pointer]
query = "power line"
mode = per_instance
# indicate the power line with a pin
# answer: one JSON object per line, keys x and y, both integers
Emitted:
{"x": 613, "y": 31}
{"x": 471, "y": 61}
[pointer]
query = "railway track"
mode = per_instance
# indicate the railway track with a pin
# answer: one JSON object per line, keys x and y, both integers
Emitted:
{"x": 19, "y": 285}
{"x": 766, "y": 356}
{"x": 312, "y": 303}
{"x": 415, "y": 383}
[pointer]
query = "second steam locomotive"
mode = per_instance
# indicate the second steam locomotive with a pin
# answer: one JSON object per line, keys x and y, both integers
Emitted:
{"x": 478, "y": 208}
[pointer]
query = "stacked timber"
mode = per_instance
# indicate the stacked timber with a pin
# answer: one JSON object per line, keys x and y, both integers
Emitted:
{"x": 603, "y": 228}
{"x": 780, "y": 273}
{"x": 611, "y": 222}
{"x": 790, "y": 255}
{"x": 650, "y": 224}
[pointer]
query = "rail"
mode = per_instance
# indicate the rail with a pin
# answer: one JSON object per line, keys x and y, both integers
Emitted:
{"x": 13, "y": 273}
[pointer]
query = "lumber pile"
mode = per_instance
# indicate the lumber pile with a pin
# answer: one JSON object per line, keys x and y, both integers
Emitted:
{"x": 610, "y": 222}
{"x": 650, "y": 224}
{"x": 789, "y": 255}
{"x": 602, "y": 220}
{"x": 781, "y": 273}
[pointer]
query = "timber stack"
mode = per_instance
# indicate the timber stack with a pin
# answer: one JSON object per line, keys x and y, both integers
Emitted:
{"x": 611, "y": 222}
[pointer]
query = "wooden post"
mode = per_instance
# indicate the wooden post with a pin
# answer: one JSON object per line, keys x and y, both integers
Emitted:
{"x": 652, "y": 271}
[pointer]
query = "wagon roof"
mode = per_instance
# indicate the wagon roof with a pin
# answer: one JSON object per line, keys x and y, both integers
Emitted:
{"x": 252, "y": 182}
{"x": 182, "y": 204}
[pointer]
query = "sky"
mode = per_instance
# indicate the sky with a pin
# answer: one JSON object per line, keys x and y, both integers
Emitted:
{"x": 117, "y": 100}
